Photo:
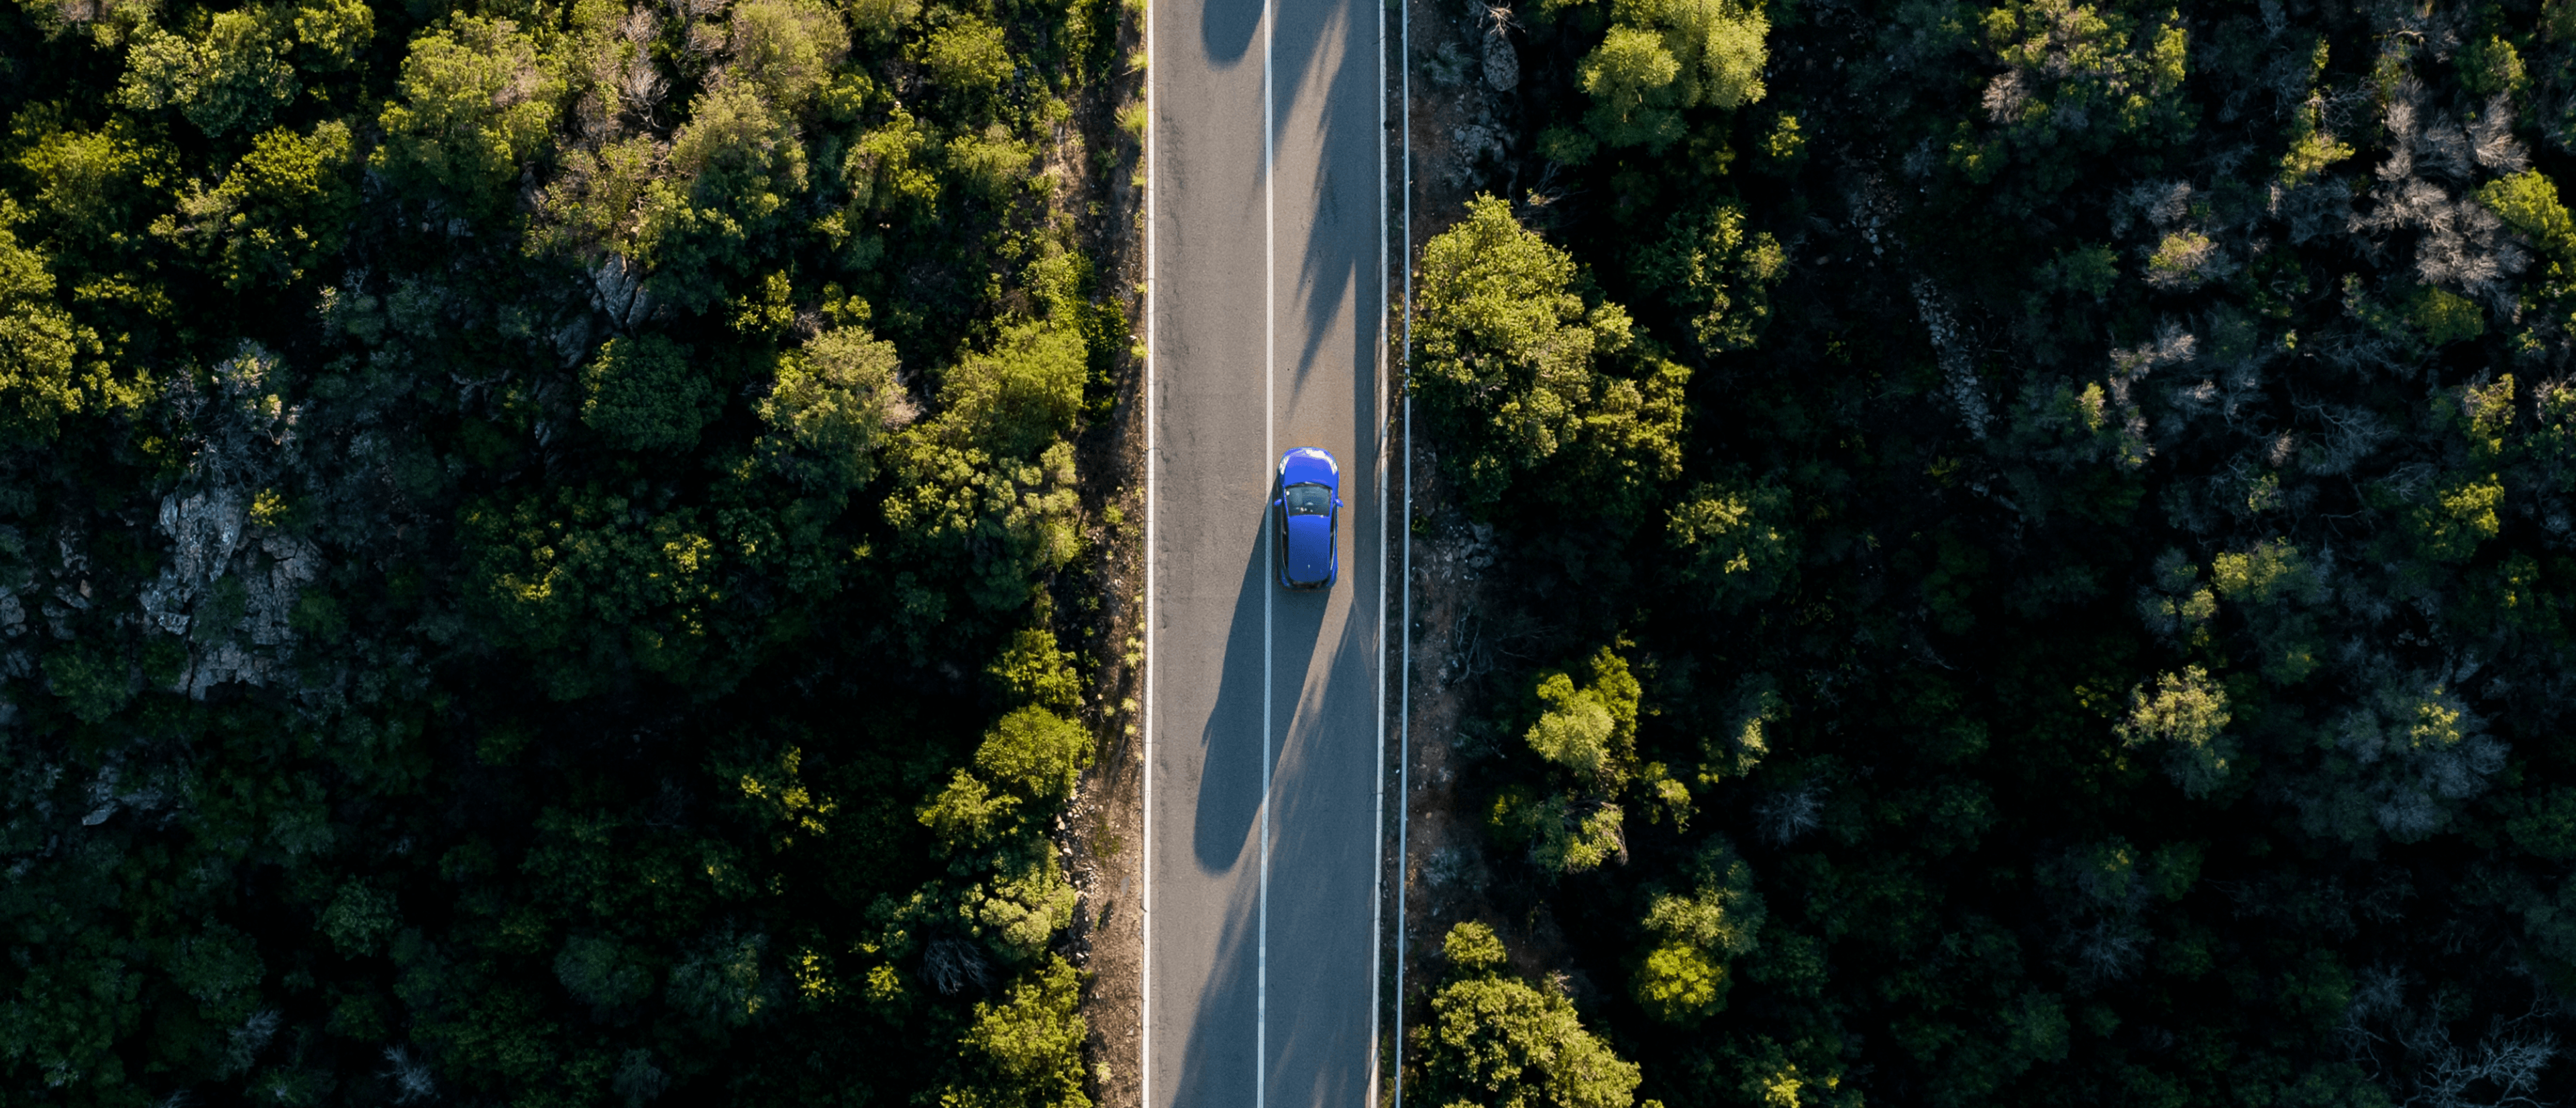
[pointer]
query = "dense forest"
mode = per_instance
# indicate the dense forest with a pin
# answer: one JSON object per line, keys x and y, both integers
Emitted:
{"x": 2036, "y": 552}
{"x": 548, "y": 550}
{"x": 561, "y": 553}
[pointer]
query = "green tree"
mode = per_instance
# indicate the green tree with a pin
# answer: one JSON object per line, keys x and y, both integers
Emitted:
{"x": 889, "y": 169}
{"x": 830, "y": 409}
{"x": 1524, "y": 376}
{"x": 2492, "y": 67}
{"x": 601, "y": 972}
{"x": 643, "y": 393}
{"x": 1684, "y": 974}
{"x": 2458, "y": 516}
{"x": 590, "y": 583}
{"x": 2528, "y": 202}
{"x": 330, "y": 35}
{"x": 986, "y": 484}
{"x": 280, "y": 212}
{"x": 38, "y": 341}
{"x": 2188, "y": 711}
{"x": 2068, "y": 65}
{"x": 1494, "y": 1040}
{"x": 1032, "y": 755}
{"x": 738, "y": 164}
{"x": 1716, "y": 273}
{"x": 881, "y": 19}
{"x": 89, "y": 184}
{"x": 91, "y": 683}
{"x": 788, "y": 47}
{"x": 1590, "y": 729}
{"x": 725, "y": 980}
{"x": 1023, "y": 902}
{"x": 1663, "y": 57}
{"x": 737, "y": 136}
{"x": 228, "y": 77}
{"x": 1589, "y": 733}
{"x": 991, "y": 162}
{"x": 1024, "y": 1049}
{"x": 360, "y": 918}
{"x": 220, "y": 968}
{"x": 1738, "y": 539}
{"x": 966, "y": 61}
{"x": 476, "y": 103}
{"x": 1032, "y": 669}
{"x": 1037, "y": 752}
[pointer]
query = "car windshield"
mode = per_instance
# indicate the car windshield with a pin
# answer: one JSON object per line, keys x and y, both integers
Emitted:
{"x": 1309, "y": 500}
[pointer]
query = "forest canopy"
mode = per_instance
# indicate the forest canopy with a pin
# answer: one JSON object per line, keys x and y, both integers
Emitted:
{"x": 552, "y": 552}
{"x": 2033, "y": 560}
{"x": 546, "y": 553}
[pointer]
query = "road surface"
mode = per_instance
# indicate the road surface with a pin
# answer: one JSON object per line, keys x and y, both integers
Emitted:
{"x": 1265, "y": 721}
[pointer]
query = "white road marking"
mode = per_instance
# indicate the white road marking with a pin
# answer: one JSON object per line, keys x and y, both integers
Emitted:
{"x": 1145, "y": 912}
{"x": 1404, "y": 676}
{"x": 1377, "y": 408}
{"x": 1269, "y": 451}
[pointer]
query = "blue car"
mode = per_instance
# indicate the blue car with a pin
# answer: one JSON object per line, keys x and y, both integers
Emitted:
{"x": 1309, "y": 503}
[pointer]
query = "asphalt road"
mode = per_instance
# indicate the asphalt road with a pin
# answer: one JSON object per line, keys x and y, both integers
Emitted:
{"x": 1264, "y": 709}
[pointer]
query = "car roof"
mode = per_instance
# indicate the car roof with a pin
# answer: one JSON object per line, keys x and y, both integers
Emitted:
{"x": 1309, "y": 541}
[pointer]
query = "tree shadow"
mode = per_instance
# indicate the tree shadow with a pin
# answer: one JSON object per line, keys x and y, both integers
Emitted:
{"x": 1324, "y": 854}
{"x": 1342, "y": 226}
{"x": 1226, "y": 29}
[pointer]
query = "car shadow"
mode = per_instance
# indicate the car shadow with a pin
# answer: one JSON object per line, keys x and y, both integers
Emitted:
{"x": 1218, "y": 1066}
{"x": 1229, "y": 796}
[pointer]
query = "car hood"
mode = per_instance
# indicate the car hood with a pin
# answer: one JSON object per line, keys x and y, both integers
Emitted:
{"x": 1310, "y": 546}
{"x": 1302, "y": 468}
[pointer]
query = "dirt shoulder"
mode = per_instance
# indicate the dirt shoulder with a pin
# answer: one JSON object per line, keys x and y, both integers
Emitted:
{"x": 1102, "y": 833}
{"x": 1463, "y": 119}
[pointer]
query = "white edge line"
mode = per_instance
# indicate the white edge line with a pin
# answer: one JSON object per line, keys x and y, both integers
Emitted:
{"x": 1145, "y": 914}
{"x": 1404, "y": 635}
{"x": 1377, "y": 821}
{"x": 1269, "y": 450}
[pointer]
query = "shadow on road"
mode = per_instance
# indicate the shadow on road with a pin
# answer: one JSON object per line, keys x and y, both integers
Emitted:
{"x": 1325, "y": 217}
{"x": 1226, "y": 30}
{"x": 1341, "y": 228}
{"x": 1230, "y": 748}
{"x": 1214, "y": 1072}
{"x": 1323, "y": 861}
